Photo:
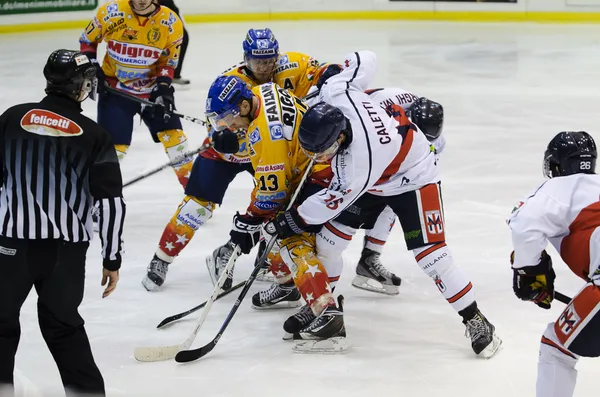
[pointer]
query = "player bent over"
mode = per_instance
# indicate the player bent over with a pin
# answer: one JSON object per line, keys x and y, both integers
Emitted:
{"x": 564, "y": 211}
{"x": 378, "y": 160}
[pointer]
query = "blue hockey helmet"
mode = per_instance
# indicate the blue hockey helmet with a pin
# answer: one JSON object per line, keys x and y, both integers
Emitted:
{"x": 222, "y": 104}
{"x": 261, "y": 51}
{"x": 320, "y": 130}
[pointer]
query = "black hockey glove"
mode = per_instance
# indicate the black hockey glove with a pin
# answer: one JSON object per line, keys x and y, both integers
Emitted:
{"x": 245, "y": 232}
{"x": 101, "y": 89}
{"x": 162, "y": 96}
{"x": 535, "y": 283}
{"x": 290, "y": 223}
{"x": 330, "y": 71}
{"x": 226, "y": 141}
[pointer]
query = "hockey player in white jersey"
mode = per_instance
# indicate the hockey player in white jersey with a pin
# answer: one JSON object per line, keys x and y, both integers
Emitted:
{"x": 371, "y": 275}
{"x": 564, "y": 211}
{"x": 377, "y": 161}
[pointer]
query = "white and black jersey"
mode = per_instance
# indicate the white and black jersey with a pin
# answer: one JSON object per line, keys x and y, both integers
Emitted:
{"x": 55, "y": 163}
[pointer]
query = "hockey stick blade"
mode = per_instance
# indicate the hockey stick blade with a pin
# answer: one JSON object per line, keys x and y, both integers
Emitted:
{"x": 186, "y": 355}
{"x": 181, "y": 315}
{"x": 161, "y": 353}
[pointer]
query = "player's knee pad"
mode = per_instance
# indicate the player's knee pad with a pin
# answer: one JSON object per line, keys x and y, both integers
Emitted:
{"x": 578, "y": 327}
{"x": 121, "y": 151}
{"x": 309, "y": 274}
{"x": 436, "y": 261}
{"x": 191, "y": 214}
{"x": 376, "y": 237}
{"x": 552, "y": 348}
{"x": 332, "y": 241}
{"x": 556, "y": 367}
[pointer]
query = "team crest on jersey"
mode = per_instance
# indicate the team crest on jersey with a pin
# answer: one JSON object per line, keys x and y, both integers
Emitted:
{"x": 283, "y": 59}
{"x": 434, "y": 222}
{"x": 47, "y": 123}
{"x": 276, "y": 132}
{"x": 254, "y": 136}
{"x": 568, "y": 320}
{"x": 153, "y": 35}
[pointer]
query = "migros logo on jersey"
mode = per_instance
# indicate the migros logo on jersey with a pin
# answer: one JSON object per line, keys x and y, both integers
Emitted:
{"x": 132, "y": 54}
{"x": 45, "y": 122}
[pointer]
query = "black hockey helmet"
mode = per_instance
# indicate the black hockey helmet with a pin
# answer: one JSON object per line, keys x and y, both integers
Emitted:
{"x": 428, "y": 116}
{"x": 570, "y": 152}
{"x": 70, "y": 73}
{"x": 320, "y": 129}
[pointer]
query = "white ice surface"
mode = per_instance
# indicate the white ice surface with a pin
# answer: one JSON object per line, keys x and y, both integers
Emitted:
{"x": 507, "y": 89}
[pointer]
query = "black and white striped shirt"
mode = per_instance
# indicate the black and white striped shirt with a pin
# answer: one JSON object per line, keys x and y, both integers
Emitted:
{"x": 56, "y": 163}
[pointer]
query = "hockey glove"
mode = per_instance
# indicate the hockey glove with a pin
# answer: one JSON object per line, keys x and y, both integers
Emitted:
{"x": 535, "y": 283}
{"x": 245, "y": 232}
{"x": 290, "y": 223}
{"x": 162, "y": 96}
{"x": 101, "y": 88}
{"x": 226, "y": 141}
{"x": 330, "y": 71}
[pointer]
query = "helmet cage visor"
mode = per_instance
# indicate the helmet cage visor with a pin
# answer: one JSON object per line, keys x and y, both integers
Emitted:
{"x": 325, "y": 155}
{"x": 220, "y": 122}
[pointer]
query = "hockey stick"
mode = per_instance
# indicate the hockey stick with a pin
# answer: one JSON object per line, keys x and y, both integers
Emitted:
{"x": 160, "y": 353}
{"x": 185, "y": 355}
{"x": 146, "y": 102}
{"x": 181, "y": 315}
{"x": 182, "y": 157}
{"x": 562, "y": 298}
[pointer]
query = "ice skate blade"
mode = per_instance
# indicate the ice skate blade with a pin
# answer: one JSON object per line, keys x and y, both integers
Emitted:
{"x": 287, "y": 336}
{"x": 367, "y": 284}
{"x": 336, "y": 345}
{"x": 491, "y": 349}
{"x": 279, "y": 305}
{"x": 210, "y": 266}
{"x": 149, "y": 285}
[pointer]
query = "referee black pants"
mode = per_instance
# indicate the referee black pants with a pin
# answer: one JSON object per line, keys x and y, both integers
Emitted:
{"x": 57, "y": 270}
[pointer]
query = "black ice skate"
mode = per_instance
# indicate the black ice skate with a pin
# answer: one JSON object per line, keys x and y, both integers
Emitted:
{"x": 217, "y": 262}
{"x": 484, "y": 341}
{"x": 326, "y": 334}
{"x": 300, "y": 320}
{"x": 156, "y": 274}
{"x": 278, "y": 296}
{"x": 181, "y": 81}
{"x": 372, "y": 276}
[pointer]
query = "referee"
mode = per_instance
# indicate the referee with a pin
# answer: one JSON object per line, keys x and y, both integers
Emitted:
{"x": 55, "y": 163}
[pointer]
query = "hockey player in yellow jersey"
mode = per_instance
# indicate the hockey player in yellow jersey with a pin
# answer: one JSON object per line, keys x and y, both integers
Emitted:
{"x": 272, "y": 117}
{"x": 143, "y": 40}
{"x": 214, "y": 170}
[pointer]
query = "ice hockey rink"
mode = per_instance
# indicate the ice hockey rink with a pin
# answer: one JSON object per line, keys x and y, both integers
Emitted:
{"x": 507, "y": 90}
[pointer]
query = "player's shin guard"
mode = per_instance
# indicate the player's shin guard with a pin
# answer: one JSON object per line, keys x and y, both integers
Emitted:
{"x": 556, "y": 367}
{"x": 281, "y": 272}
{"x": 309, "y": 274}
{"x": 121, "y": 151}
{"x": 175, "y": 144}
{"x": 191, "y": 214}
{"x": 436, "y": 261}
{"x": 332, "y": 241}
{"x": 376, "y": 237}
